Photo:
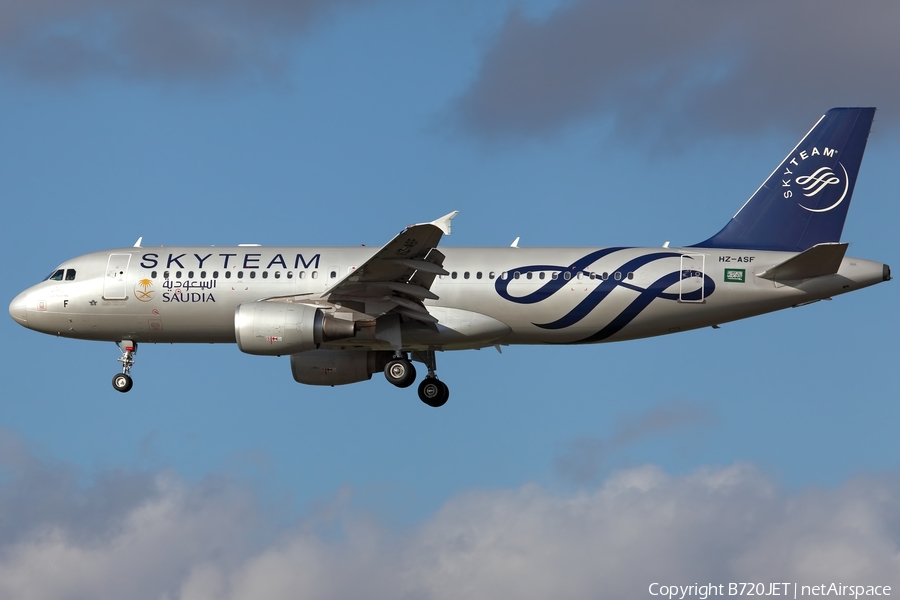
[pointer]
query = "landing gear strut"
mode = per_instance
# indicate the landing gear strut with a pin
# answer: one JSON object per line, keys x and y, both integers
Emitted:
{"x": 122, "y": 382}
{"x": 432, "y": 391}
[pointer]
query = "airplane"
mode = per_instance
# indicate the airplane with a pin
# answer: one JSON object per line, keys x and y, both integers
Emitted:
{"x": 343, "y": 314}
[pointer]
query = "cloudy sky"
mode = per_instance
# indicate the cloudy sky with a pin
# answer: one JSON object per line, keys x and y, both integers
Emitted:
{"x": 762, "y": 451}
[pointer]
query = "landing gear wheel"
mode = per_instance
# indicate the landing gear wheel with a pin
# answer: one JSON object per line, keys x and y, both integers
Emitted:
{"x": 122, "y": 382}
{"x": 400, "y": 372}
{"x": 433, "y": 392}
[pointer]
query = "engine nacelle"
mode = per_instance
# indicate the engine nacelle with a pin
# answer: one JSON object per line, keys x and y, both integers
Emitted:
{"x": 336, "y": 367}
{"x": 277, "y": 328}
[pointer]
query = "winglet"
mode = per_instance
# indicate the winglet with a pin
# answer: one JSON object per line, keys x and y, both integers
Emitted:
{"x": 515, "y": 243}
{"x": 137, "y": 244}
{"x": 444, "y": 222}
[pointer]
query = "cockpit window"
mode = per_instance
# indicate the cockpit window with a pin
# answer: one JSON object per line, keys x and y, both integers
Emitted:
{"x": 56, "y": 275}
{"x": 70, "y": 274}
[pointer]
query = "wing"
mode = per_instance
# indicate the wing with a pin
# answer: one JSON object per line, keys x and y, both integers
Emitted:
{"x": 398, "y": 277}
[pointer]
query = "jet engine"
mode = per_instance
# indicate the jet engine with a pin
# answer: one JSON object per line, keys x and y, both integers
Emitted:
{"x": 337, "y": 367}
{"x": 277, "y": 328}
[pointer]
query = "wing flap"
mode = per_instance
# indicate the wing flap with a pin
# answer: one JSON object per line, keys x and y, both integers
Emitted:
{"x": 399, "y": 276}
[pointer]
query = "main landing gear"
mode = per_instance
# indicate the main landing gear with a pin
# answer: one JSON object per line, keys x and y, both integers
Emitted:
{"x": 401, "y": 372}
{"x": 122, "y": 382}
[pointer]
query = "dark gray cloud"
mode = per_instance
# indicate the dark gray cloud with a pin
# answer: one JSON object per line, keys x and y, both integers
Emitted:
{"x": 664, "y": 67}
{"x": 584, "y": 460}
{"x": 167, "y": 538}
{"x": 60, "y": 40}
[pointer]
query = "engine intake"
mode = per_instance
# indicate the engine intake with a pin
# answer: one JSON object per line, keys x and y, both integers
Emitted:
{"x": 277, "y": 328}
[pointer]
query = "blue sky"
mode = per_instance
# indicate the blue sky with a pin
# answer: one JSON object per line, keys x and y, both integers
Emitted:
{"x": 766, "y": 449}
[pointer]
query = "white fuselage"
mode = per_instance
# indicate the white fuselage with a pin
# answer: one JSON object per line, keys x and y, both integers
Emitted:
{"x": 490, "y": 296}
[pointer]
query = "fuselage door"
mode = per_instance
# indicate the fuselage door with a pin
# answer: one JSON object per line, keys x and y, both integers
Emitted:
{"x": 691, "y": 287}
{"x": 114, "y": 287}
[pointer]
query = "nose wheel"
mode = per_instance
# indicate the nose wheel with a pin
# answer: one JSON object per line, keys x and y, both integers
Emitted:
{"x": 122, "y": 382}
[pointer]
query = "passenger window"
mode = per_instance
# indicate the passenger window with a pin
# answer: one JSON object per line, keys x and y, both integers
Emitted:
{"x": 617, "y": 275}
{"x": 478, "y": 275}
{"x": 290, "y": 274}
{"x": 333, "y": 274}
{"x": 177, "y": 274}
{"x": 567, "y": 276}
{"x": 153, "y": 274}
{"x": 516, "y": 275}
{"x": 630, "y": 275}
{"x": 605, "y": 276}
{"x": 165, "y": 274}
{"x": 529, "y": 275}
{"x": 504, "y": 275}
{"x": 277, "y": 274}
{"x": 302, "y": 275}
{"x": 190, "y": 274}
{"x": 70, "y": 274}
{"x": 315, "y": 274}
{"x": 556, "y": 275}
{"x": 227, "y": 274}
{"x": 578, "y": 275}
{"x": 252, "y": 274}
{"x": 542, "y": 275}
{"x": 466, "y": 275}
{"x": 453, "y": 275}
{"x": 265, "y": 274}
{"x": 593, "y": 275}
{"x": 491, "y": 275}
{"x": 202, "y": 274}
{"x": 215, "y": 274}
{"x": 240, "y": 274}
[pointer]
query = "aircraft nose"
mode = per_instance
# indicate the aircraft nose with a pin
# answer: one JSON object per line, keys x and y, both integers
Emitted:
{"x": 17, "y": 309}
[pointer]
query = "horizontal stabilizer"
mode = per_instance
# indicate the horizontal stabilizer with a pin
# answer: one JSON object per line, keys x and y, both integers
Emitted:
{"x": 822, "y": 259}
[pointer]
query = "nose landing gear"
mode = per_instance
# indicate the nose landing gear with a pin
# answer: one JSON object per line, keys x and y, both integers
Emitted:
{"x": 122, "y": 382}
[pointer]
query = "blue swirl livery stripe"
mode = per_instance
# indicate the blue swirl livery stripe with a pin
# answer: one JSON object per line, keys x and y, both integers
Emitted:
{"x": 554, "y": 285}
{"x": 645, "y": 295}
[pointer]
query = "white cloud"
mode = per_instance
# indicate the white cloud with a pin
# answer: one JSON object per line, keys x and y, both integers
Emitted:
{"x": 211, "y": 540}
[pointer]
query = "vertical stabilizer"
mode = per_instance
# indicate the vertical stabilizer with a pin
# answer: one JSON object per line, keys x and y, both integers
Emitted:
{"x": 804, "y": 201}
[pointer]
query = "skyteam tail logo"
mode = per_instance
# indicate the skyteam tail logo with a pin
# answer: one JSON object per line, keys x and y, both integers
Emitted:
{"x": 818, "y": 181}
{"x": 658, "y": 289}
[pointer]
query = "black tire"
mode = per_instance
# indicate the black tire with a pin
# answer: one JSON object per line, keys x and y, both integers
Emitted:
{"x": 400, "y": 372}
{"x": 122, "y": 382}
{"x": 434, "y": 392}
